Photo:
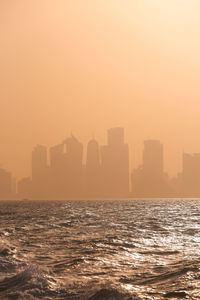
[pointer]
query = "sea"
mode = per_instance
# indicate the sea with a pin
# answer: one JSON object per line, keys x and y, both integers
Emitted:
{"x": 100, "y": 250}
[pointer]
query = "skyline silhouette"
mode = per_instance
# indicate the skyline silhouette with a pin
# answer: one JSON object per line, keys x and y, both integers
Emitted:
{"x": 61, "y": 173}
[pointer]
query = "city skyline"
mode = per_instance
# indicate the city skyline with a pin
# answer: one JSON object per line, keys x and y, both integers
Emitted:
{"x": 60, "y": 172}
{"x": 66, "y": 71}
{"x": 136, "y": 153}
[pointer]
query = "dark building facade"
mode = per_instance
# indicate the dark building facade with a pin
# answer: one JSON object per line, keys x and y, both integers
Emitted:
{"x": 93, "y": 170}
{"x": 25, "y": 188}
{"x": 149, "y": 180}
{"x": 66, "y": 169}
{"x": 39, "y": 172}
{"x": 190, "y": 177}
{"x": 74, "y": 167}
{"x": 5, "y": 184}
{"x": 115, "y": 164}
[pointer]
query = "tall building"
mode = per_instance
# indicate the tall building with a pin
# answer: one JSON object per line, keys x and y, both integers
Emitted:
{"x": 39, "y": 172}
{"x": 190, "y": 177}
{"x": 24, "y": 188}
{"x": 74, "y": 167}
{"x": 56, "y": 156}
{"x": 115, "y": 165}
{"x": 92, "y": 170}
{"x": 57, "y": 172}
{"x": 153, "y": 157}
{"x": 66, "y": 169}
{"x": 149, "y": 180}
{"x": 5, "y": 184}
{"x": 115, "y": 137}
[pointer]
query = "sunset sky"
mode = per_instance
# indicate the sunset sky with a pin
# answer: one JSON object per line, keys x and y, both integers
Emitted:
{"x": 88, "y": 65}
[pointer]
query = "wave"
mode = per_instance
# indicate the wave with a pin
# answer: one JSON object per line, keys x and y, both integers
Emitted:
{"x": 111, "y": 294}
{"x": 30, "y": 283}
{"x": 159, "y": 252}
{"x": 167, "y": 276}
{"x": 33, "y": 284}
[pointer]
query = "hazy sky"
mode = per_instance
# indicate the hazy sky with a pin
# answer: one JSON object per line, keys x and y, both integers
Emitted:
{"x": 87, "y": 65}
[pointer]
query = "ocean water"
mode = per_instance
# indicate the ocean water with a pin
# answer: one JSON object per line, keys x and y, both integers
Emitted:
{"x": 100, "y": 250}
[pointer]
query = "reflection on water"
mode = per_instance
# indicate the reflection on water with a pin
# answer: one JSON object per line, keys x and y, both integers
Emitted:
{"x": 100, "y": 249}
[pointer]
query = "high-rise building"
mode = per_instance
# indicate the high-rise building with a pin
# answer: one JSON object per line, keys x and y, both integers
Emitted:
{"x": 24, "y": 188}
{"x": 57, "y": 172}
{"x": 56, "y": 156}
{"x": 115, "y": 137}
{"x": 115, "y": 165}
{"x": 66, "y": 169}
{"x": 153, "y": 157}
{"x": 39, "y": 172}
{"x": 5, "y": 184}
{"x": 149, "y": 180}
{"x": 92, "y": 170}
{"x": 190, "y": 177}
{"x": 74, "y": 167}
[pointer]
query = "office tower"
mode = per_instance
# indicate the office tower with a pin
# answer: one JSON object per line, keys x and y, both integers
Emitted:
{"x": 74, "y": 167}
{"x": 24, "y": 188}
{"x": 191, "y": 175}
{"x": 5, "y": 184}
{"x": 115, "y": 164}
{"x": 115, "y": 137}
{"x": 149, "y": 179}
{"x": 66, "y": 169}
{"x": 57, "y": 172}
{"x": 56, "y": 156}
{"x": 92, "y": 170}
{"x": 39, "y": 172}
{"x": 153, "y": 158}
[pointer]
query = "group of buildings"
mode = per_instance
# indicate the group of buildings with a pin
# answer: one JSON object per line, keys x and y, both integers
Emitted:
{"x": 61, "y": 174}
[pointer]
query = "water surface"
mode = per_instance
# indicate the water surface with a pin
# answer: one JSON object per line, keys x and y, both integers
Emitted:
{"x": 96, "y": 250}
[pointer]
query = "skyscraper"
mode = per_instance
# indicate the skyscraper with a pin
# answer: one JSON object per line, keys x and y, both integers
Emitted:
{"x": 57, "y": 172}
{"x": 153, "y": 157}
{"x": 92, "y": 170}
{"x": 74, "y": 167}
{"x": 5, "y": 184}
{"x": 149, "y": 180}
{"x": 66, "y": 169}
{"x": 115, "y": 164}
{"x": 190, "y": 177}
{"x": 39, "y": 171}
{"x": 25, "y": 188}
{"x": 115, "y": 137}
{"x": 56, "y": 156}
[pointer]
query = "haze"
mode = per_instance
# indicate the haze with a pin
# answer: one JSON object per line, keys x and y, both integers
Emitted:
{"x": 85, "y": 66}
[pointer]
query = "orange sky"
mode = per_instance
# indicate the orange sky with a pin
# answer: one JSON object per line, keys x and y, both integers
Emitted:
{"x": 85, "y": 66}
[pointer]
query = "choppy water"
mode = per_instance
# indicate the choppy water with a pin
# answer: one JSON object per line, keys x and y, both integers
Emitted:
{"x": 98, "y": 250}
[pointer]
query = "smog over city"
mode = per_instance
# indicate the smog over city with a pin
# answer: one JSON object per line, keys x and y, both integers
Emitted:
{"x": 100, "y": 150}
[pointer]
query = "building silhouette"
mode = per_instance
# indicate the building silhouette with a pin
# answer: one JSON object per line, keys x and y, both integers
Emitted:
{"x": 153, "y": 161}
{"x": 115, "y": 164}
{"x": 66, "y": 170}
{"x": 57, "y": 172}
{"x": 105, "y": 173}
{"x": 5, "y": 184}
{"x": 25, "y": 188}
{"x": 74, "y": 167}
{"x": 39, "y": 172}
{"x": 149, "y": 180}
{"x": 190, "y": 177}
{"x": 93, "y": 170}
